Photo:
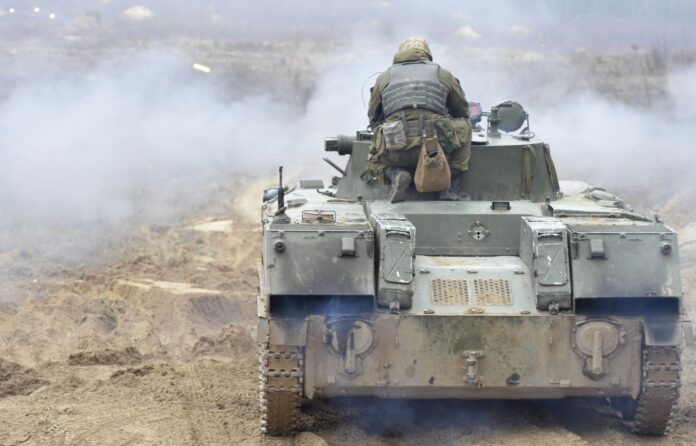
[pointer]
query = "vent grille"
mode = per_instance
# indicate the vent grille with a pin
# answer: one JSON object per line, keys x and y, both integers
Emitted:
{"x": 492, "y": 292}
{"x": 449, "y": 292}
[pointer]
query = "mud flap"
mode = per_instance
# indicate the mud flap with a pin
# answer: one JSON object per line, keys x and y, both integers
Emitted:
{"x": 287, "y": 332}
{"x": 663, "y": 333}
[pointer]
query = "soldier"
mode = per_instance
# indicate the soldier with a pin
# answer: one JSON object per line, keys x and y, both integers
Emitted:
{"x": 417, "y": 98}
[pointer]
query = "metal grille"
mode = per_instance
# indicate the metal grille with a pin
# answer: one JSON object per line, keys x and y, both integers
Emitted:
{"x": 493, "y": 292}
{"x": 449, "y": 292}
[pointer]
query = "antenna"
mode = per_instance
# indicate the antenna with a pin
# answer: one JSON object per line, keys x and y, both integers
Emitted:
{"x": 280, "y": 216}
{"x": 362, "y": 89}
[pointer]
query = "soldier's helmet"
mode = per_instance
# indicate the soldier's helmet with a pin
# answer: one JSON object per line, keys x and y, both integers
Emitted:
{"x": 416, "y": 43}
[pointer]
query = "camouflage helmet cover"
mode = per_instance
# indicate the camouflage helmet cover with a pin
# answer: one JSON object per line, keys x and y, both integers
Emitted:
{"x": 416, "y": 43}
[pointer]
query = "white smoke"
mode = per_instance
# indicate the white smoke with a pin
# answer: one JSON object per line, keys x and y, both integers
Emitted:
{"x": 141, "y": 139}
{"x": 132, "y": 139}
{"x": 644, "y": 152}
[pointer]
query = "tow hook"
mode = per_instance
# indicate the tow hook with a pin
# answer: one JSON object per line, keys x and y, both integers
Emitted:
{"x": 350, "y": 339}
{"x": 349, "y": 360}
{"x": 597, "y": 356}
{"x": 472, "y": 357}
{"x": 554, "y": 308}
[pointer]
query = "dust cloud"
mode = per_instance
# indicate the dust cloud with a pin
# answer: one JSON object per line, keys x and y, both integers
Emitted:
{"x": 143, "y": 140}
{"x": 619, "y": 146}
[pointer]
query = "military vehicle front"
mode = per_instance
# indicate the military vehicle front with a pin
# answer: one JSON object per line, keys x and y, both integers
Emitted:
{"x": 533, "y": 289}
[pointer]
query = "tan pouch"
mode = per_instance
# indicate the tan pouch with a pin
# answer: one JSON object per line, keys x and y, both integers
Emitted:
{"x": 394, "y": 135}
{"x": 432, "y": 172}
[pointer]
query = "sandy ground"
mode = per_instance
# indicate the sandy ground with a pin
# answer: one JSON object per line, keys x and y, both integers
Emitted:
{"x": 156, "y": 347}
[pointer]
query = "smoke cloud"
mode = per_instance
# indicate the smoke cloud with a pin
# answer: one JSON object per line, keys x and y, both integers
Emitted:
{"x": 141, "y": 140}
{"x": 132, "y": 136}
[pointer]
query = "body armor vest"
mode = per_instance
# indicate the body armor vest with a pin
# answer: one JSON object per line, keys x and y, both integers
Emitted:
{"x": 414, "y": 85}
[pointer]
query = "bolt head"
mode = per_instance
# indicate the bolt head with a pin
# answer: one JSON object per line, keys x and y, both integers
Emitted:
{"x": 666, "y": 248}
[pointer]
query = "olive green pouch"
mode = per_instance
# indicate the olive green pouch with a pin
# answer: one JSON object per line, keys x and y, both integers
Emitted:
{"x": 462, "y": 130}
{"x": 446, "y": 135}
{"x": 394, "y": 135}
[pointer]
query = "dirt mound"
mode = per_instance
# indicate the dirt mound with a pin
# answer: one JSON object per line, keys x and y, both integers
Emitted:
{"x": 127, "y": 356}
{"x": 214, "y": 310}
{"x": 132, "y": 372}
{"x": 100, "y": 315}
{"x": 17, "y": 380}
{"x": 233, "y": 341}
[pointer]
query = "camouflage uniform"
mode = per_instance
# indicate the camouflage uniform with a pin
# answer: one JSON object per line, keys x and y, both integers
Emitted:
{"x": 453, "y": 131}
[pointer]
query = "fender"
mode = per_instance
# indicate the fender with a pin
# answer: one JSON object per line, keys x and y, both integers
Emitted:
{"x": 665, "y": 332}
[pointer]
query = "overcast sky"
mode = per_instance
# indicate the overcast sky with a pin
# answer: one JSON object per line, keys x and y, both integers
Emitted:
{"x": 539, "y": 24}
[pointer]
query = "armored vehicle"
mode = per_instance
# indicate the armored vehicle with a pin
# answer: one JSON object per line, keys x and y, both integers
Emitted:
{"x": 532, "y": 289}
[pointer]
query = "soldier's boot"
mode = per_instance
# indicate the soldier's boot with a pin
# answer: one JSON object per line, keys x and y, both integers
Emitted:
{"x": 400, "y": 180}
{"x": 455, "y": 192}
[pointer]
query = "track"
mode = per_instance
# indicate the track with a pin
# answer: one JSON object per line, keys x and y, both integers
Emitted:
{"x": 280, "y": 388}
{"x": 660, "y": 394}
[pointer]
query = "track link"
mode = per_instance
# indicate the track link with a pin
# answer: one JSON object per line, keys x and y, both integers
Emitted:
{"x": 280, "y": 387}
{"x": 660, "y": 390}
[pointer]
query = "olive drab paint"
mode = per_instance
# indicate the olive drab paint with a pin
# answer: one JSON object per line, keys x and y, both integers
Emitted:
{"x": 533, "y": 289}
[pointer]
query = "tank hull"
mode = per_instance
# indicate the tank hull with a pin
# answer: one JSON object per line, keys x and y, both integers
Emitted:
{"x": 533, "y": 289}
{"x": 462, "y": 357}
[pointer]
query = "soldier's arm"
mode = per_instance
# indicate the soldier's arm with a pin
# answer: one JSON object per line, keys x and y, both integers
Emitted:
{"x": 375, "y": 113}
{"x": 457, "y": 104}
